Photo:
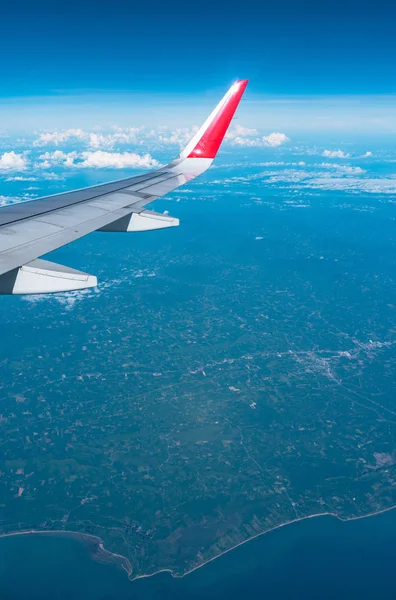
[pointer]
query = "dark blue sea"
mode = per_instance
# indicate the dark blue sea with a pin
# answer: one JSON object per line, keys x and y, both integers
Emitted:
{"x": 316, "y": 558}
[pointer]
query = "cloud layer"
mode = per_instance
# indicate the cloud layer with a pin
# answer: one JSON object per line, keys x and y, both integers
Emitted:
{"x": 10, "y": 161}
{"x": 97, "y": 159}
{"x": 273, "y": 140}
{"x": 324, "y": 176}
{"x": 163, "y": 136}
{"x": 93, "y": 139}
{"x": 335, "y": 154}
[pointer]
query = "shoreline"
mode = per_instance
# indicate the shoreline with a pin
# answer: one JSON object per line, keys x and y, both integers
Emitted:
{"x": 85, "y": 537}
{"x": 254, "y": 537}
{"x": 127, "y": 567}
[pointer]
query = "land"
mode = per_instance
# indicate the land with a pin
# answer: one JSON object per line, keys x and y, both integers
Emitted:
{"x": 212, "y": 392}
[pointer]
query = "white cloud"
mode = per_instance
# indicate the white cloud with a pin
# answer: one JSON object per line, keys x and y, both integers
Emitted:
{"x": 116, "y": 160}
{"x": 237, "y": 136}
{"x": 367, "y": 155}
{"x": 323, "y": 176}
{"x": 66, "y": 299}
{"x": 118, "y": 136}
{"x": 238, "y": 131}
{"x": 52, "y": 177}
{"x": 369, "y": 185}
{"x": 272, "y": 140}
{"x": 55, "y": 138}
{"x": 275, "y": 139}
{"x": 126, "y": 135}
{"x": 6, "y": 200}
{"x": 179, "y": 137}
{"x": 246, "y": 142}
{"x": 21, "y": 178}
{"x": 341, "y": 168}
{"x": 58, "y": 157}
{"x": 97, "y": 159}
{"x": 335, "y": 154}
{"x": 93, "y": 139}
{"x": 10, "y": 161}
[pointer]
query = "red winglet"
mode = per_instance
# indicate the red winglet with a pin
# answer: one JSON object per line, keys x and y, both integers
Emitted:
{"x": 211, "y": 139}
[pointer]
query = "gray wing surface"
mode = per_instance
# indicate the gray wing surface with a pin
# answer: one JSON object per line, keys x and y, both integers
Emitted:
{"x": 30, "y": 229}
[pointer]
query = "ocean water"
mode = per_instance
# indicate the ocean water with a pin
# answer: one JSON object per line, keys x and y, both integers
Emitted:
{"x": 320, "y": 557}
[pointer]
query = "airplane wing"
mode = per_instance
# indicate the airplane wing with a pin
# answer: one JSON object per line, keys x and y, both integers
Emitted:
{"x": 31, "y": 229}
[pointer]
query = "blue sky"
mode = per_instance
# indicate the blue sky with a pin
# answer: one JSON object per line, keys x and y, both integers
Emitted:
{"x": 284, "y": 47}
{"x": 312, "y": 65}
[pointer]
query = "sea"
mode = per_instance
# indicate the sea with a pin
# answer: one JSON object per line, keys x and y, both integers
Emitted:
{"x": 321, "y": 557}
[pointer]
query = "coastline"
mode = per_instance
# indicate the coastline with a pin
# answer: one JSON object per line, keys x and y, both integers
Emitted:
{"x": 94, "y": 540}
{"x": 125, "y": 564}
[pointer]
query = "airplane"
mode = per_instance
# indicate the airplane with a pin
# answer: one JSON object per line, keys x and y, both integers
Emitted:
{"x": 32, "y": 229}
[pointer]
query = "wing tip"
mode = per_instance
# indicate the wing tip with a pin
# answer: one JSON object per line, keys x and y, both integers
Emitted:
{"x": 210, "y": 140}
{"x": 240, "y": 85}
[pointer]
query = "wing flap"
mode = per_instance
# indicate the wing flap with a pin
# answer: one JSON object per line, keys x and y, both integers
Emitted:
{"x": 44, "y": 277}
